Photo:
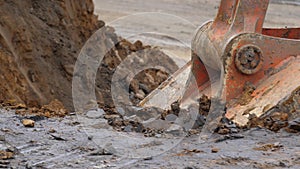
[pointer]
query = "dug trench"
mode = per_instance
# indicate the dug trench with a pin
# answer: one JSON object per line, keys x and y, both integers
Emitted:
{"x": 39, "y": 45}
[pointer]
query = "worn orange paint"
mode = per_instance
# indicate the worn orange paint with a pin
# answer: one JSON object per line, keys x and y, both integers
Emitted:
{"x": 239, "y": 23}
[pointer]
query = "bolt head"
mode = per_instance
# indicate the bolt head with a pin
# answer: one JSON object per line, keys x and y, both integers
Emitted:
{"x": 249, "y": 59}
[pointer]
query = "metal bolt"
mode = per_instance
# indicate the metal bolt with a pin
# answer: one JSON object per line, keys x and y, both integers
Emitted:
{"x": 249, "y": 59}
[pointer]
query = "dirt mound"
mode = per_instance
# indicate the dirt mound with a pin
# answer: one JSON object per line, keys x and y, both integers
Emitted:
{"x": 133, "y": 56}
{"x": 39, "y": 45}
{"x": 284, "y": 115}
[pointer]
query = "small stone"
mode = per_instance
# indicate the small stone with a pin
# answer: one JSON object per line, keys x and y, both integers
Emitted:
{"x": 52, "y": 91}
{"x": 175, "y": 107}
{"x": 280, "y": 116}
{"x": 111, "y": 116}
{"x": 140, "y": 95}
{"x": 28, "y": 122}
{"x": 19, "y": 106}
{"x": 200, "y": 121}
{"x": 144, "y": 87}
{"x": 295, "y": 124}
{"x": 2, "y": 138}
{"x": 157, "y": 124}
{"x": 109, "y": 149}
{"x": 171, "y": 117}
{"x": 230, "y": 125}
{"x": 69, "y": 69}
{"x": 215, "y": 150}
{"x": 158, "y": 135}
{"x": 4, "y": 155}
{"x": 148, "y": 158}
{"x": 282, "y": 164}
{"x": 90, "y": 137}
{"x": 133, "y": 118}
{"x": 175, "y": 130}
{"x": 120, "y": 110}
{"x": 28, "y": 165}
{"x": 193, "y": 131}
{"x": 57, "y": 137}
{"x": 95, "y": 114}
{"x": 128, "y": 128}
{"x": 138, "y": 45}
{"x": 52, "y": 130}
{"x": 139, "y": 128}
{"x": 223, "y": 131}
{"x": 234, "y": 130}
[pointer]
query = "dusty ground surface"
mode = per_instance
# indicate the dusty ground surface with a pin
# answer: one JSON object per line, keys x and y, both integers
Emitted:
{"x": 96, "y": 139}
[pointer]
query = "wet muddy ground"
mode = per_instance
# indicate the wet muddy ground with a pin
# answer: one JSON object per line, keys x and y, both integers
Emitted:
{"x": 64, "y": 143}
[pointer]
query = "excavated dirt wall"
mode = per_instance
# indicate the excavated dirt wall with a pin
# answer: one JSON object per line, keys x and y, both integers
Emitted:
{"x": 39, "y": 45}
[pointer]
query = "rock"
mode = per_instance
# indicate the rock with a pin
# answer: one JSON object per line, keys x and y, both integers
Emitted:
{"x": 175, "y": 107}
{"x": 138, "y": 45}
{"x": 204, "y": 105}
{"x": 140, "y": 94}
{"x": 128, "y": 128}
{"x": 295, "y": 124}
{"x": 187, "y": 119}
{"x": 200, "y": 121}
{"x": 2, "y": 138}
{"x": 269, "y": 147}
{"x": 158, "y": 135}
{"x": 144, "y": 87}
{"x": 69, "y": 69}
{"x": 57, "y": 137}
{"x": 120, "y": 110}
{"x": 95, "y": 114}
{"x": 4, "y": 155}
{"x": 171, "y": 117}
{"x": 109, "y": 149}
{"x": 223, "y": 131}
{"x": 148, "y": 158}
{"x": 90, "y": 137}
{"x": 158, "y": 124}
{"x": 54, "y": 109}
{"x": 190, "y": 167}
{"x": 116, "y": 122}
{"x": 111, "y": 116}
{"x": 19, "y": 106}
{"x": 133, "y": 118}
{"x": 134, "y": 86}
{"x": 215, "y": 150}
{"x": 148, "y": 113}
{"x": 52, "y": 130}
{"x": 229, "y": 137}
{"x": 101, "y": 124}
{"x": 230, "y": 125}
{"x": 139, "y": 128}
{"x": 175, "y": 130}
{"x": 28, "y": 122}
{"x": 234, "y": 130}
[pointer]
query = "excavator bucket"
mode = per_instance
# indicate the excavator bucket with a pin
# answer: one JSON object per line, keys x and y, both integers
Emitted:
{"x": 247, "y": 68}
